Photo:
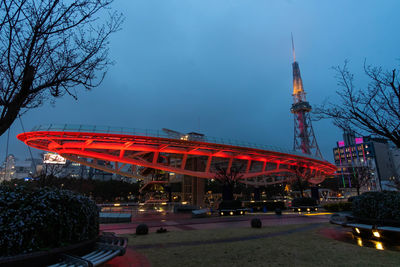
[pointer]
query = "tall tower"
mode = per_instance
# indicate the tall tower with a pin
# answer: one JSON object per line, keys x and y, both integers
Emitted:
{"x": 304, "y": 138}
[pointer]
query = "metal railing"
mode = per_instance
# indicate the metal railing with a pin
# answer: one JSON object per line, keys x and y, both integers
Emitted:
{"x": 162, "y": 134}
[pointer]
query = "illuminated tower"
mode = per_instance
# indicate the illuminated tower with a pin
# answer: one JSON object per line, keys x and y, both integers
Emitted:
{"x": 304, "y": 138}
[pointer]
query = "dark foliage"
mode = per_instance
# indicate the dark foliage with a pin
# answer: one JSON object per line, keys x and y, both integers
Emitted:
{"x": 142, "y": 229}
{"x": 230, "y": 204}
{"x": 256, "y": 223}
{"x": 269, "y": 205}
{"x": 339, "y": 206}
{"x": 161, "y": 230}
{"x": 350, "y": 199}
{"x": 36, "y": 219}
{"x": 383, "y": 205}
{"x": 101, "y": 191}
{"x": 278, "y": 211}
{"x": 304, "y": 201}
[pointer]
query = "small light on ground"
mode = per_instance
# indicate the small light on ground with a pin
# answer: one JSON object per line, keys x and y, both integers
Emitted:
{"x": 376, "y": 234}
{"x": 359, "y": 241}
{"x": 379, "y": 246}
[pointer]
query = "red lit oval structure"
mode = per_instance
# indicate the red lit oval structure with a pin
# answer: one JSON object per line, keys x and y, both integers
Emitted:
{"x": 113, "y": 149}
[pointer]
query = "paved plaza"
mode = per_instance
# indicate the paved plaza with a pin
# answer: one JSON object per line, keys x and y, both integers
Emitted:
{"x": 184, "y": 222}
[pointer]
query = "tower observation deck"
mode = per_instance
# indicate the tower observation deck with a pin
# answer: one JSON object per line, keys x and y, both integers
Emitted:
{"x": 304, "y": 137}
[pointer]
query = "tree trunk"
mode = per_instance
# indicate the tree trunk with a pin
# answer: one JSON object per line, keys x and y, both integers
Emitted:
{"x": 14, "y": 107}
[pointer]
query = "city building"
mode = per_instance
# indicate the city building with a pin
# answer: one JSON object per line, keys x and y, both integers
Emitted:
{"x": 13, "y": 168}
{"x": 367, "y": 157}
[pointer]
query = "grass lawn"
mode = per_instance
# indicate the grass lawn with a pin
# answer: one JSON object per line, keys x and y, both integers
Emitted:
{"x": 304, "y": 248}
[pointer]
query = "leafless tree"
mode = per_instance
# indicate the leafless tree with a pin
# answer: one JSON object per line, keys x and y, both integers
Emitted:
{"x": 373, "y": 109}
{"x": 360, "y": 176}
{"x": 300, "y": 178}
{"x": 228, "y": 178}
{"x": 49, "y": 48}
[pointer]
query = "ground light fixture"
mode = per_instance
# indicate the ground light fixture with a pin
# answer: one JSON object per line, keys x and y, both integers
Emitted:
{"x": 359, "y": 241}
{"x": 379, "y": 246}
{"x": 231, "y": 213}
{"x": 376, "y": 234}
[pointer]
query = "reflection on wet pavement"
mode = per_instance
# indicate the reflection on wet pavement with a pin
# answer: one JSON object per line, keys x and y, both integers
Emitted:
{"x": 346, "y": 235}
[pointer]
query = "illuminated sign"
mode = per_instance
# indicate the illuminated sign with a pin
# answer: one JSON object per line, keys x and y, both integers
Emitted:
{"x": 359, "y": 140}
{"x": 52, "y": 158}
{"x": 340, "y": 143}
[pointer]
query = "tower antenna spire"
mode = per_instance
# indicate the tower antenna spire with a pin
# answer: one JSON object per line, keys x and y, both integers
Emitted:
{"x": 304, "y": 137}
{"x": 294, "y": 53}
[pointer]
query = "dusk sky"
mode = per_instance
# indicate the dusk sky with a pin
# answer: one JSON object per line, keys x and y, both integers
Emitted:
{"x": 223, "y": 67}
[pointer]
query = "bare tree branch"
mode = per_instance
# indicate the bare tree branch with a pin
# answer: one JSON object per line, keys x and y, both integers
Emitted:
{"x": 374, "y": 109}
{"x": 50, "y": 48}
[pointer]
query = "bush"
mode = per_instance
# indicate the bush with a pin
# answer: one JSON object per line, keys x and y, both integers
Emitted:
{"x": 269, "y": 205}
{"x": 303, "y": 201}
{"x": 37, "y": 219}
{"x": 256, "y": 223}
{"x": 142, "y": 229}
{"x": 378, "y": 205}
{"x": 339, "y": 206}
{"x": 350, "y": 199}
{"x": 230, "y": 204}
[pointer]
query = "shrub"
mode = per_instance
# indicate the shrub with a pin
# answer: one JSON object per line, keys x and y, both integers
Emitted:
{"x": 256, "y": 223}
{"x": 230, "y": 204}
{"x": 303, "y": 201}
{"x": 269, "y": 205}
{"x": 37, "y": 219}
{"x": 339, "y": 206}
{"x": 142, "y": 229}
{"x": 350, "y": 199}
{"x": 378, "y": 205}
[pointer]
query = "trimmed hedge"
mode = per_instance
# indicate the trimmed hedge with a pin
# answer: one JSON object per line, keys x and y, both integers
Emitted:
{"x": 378, "y": 205}
{"x": 339, "y": 206}
{"x": 269, "y": 205}
{"x": 303, "y": 201}
{"x": 44, "y": 218}
{"x": 230, "y": 204}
